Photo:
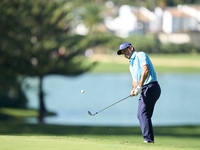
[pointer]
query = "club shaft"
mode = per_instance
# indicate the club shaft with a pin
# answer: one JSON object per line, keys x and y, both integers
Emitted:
{"x": 113, "y": 104}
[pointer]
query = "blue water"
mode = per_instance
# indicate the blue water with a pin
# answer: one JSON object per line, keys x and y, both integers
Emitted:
{"x": 179, "y": 103}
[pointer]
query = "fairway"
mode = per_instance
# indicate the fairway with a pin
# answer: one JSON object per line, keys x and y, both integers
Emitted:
{"x": 18, "y": 136}
{"x": 89, "y": 143}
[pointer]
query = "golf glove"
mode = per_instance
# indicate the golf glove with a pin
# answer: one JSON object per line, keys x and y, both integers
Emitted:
{"x": 138, "y": 90}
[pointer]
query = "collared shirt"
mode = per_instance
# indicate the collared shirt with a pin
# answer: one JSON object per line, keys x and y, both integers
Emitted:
{"x": 137, "y": 61}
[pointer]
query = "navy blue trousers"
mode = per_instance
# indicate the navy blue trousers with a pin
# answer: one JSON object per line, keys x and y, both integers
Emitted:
{"x": 149, "y": 95}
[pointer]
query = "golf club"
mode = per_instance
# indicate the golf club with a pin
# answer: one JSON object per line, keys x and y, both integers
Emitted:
{"x": 107, "y": 107}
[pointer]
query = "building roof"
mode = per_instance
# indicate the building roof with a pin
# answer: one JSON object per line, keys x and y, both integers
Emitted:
{"x": 176, "y": 13}
{"x": 143, "y": 14}
{"x": 141, "y": 17}
{"x": 195, "y": 7}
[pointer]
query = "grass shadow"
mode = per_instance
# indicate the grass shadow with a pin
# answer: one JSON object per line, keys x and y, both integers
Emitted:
{"x": 13, "y": 128}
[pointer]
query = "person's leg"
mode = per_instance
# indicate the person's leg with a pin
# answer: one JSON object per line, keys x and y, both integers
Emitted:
{"x": 145, "y": 122}
{"x": 146, "y": 103}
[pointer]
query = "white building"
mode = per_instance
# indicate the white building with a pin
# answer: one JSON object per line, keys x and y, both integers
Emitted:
{"x": 124, "y": 23}
{"x": 179, "y": 24}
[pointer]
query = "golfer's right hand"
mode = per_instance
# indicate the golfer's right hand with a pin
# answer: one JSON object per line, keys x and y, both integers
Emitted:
{"x": 132, "y": 93}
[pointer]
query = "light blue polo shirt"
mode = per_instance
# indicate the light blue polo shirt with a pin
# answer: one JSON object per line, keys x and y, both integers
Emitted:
{"x": 137, "y": 61}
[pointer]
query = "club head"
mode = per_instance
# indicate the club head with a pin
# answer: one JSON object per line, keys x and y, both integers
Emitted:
{"x": 90, "y": 113}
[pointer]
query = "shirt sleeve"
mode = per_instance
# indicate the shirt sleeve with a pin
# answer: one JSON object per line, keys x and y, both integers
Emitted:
{"x": 142, "y": 59}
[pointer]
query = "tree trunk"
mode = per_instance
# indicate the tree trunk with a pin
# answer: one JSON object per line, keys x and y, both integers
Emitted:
{"x": 42, "y": 108}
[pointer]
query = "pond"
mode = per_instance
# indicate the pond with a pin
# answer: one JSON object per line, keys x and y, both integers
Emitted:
{"x": 178, "y": 105}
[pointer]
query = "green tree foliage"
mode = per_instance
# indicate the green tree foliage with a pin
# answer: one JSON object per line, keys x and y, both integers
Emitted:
{"x": 36, "y": 40}
{"x": 92, "y": 17}
{"x": 151, "y": 4}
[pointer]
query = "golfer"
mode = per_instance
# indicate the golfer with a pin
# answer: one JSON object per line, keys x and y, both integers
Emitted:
{"x": 144, "y": 81}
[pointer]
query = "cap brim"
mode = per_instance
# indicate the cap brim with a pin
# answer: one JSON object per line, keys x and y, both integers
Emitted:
{"x": 119, "y": 52}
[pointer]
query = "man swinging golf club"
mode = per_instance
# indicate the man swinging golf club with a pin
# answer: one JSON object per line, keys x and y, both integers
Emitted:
{"x": 144, "y": 82}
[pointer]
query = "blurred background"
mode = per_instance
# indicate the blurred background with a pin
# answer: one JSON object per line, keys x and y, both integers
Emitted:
{"x": 51, "y": 50}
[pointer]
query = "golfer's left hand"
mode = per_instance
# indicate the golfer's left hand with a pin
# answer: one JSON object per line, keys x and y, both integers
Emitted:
{"x": 137, "y": 91}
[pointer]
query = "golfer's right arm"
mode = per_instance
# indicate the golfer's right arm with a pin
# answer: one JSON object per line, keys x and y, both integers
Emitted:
{"x": 134, "y": 85}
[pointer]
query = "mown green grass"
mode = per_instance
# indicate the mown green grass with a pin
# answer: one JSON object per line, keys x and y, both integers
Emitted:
{"x": 22, "y": 136}
{"x": 21, "y": 113}
{"x": 102, "y": 67}
{"x": 178, "y": 63}
{"x": 74, "y": 143}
